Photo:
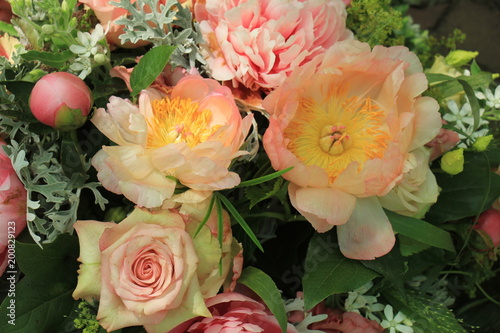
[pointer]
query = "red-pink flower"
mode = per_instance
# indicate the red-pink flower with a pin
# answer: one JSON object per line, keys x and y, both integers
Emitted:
{"x": 344, "y": 322}
{"x": 488, "y": 225}
{"x": 257, "y": 43}
{"x": 5, "y": 11}
{"x": 443, "y": 142}
{"x": 347, "y": 124}
{"x": 12, "y": 208}
{"x": 61, "y": 100}
{"x": 235, "y": 313}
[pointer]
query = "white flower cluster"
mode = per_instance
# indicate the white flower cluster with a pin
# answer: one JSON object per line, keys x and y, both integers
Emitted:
{"x": 462, "y": 118}
{"x": 90, "y": 51}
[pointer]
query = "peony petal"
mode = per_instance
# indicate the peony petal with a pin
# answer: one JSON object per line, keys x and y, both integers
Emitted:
{"x": 323, "y": 207}
{"x": 368, "y": 234}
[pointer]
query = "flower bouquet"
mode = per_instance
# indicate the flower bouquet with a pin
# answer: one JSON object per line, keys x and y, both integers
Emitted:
{"x": 244, "y": 166}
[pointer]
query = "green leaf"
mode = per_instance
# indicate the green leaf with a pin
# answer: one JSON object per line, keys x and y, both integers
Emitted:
{"x": 257, "y": 194}
{"x": 409, "y": 246}
{"x": 149, "y": 67}
{"x": 434, "y": 77}
{"x": 452, "y": 87}
{"x": 18, "y": 115}
{"x": 420, "y": 231}
{"x": 21, "y": 89}
{"x": 264, "y": 179}
{"x": 55, "y": 261}
{"x": 8, "y": 28}
{"x": 38, "y": 307}
{"x": 57, "y": 60}
{"x": 390, "y": 266}
{"x": 467, "y": 194}
{"x": 472, "y": 101}
{"x": 328, "y": 272}
{"x": 266, "y": 289}
{"x": 430, "y": 315}
{"x": 474, "y": 68}
{"x": 240, "y": 220}
{"x": 207, "y": 215}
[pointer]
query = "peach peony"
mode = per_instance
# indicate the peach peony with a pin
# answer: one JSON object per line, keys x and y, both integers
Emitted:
{"x": 346, "y": 122}
{"x": 233, "y": 312}
{"x": 13, "y": 198}
{"x": 257, "y": 43}
{"x": 149, "y": 269}
{"x": 188, "y": 135}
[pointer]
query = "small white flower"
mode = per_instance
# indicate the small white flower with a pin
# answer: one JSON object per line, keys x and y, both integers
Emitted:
{"x": 398, "y": 323}
{"x": 492, "y": 100}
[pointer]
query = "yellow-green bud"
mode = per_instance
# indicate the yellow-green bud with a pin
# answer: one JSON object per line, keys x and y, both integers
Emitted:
{"x": 453, "y": 162}
{"x": 460, "y": 57}
{"x": 100, "y": 58}
{"x": 482, "y": 143}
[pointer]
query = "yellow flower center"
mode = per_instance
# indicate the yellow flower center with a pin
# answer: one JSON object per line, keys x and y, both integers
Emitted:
{"x": 178, "y": 120}
{"x": 338, "y": 131}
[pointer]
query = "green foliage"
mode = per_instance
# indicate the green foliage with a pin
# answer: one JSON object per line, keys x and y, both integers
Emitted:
{"x": 431, "y": 316}
{"x": 266, "y": 289}
{"x": 42, "y": 298}
{"x": 149, "y": 67}
{"x": 169, "y": 24}
{"x": 467, "y": 194}
{"x": 86, "y": 320}
{"x": 375, "y": 22}
{"x": 420, "y": 231}
{"x": 328, "y": 272}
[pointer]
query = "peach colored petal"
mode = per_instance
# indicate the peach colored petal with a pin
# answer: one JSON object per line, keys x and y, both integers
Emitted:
{"x": 323, "y": 207}
{"x": 368, "y": 233}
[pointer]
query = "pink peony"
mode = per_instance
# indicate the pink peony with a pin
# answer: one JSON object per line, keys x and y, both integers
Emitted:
{"x": 443, "y": 142}
{"x": 189, "y": 134}
{"x": 61, "y": 100}
{"x": 235, "y": 313}
{"x": 347, "y": 122}
{"x": 257, "y": 43}
{"x": 13, "y": 198}
{"x": 5, "y": 11}
{"x": 488, "y": 225}
{"x": 149, "y": 269}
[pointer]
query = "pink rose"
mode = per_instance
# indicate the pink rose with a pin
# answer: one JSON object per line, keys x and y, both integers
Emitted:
{"x": 13, "y": 198}
{"x": 61, "y": 100}
{"x": 233, "y": 312}
{"x": 488, "y": 226}
{"x": 5, "y": 11}
{"x": 149, "y": 270}
{"x": 189, "y": 134}
{"x": 443, "y": 142}
{"x": 257, "y": 43}
{"x": 347, "y": 123}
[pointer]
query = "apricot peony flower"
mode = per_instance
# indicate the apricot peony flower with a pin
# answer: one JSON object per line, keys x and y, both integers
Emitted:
{"x": 257, "y": 43}
{"x": 346, "y": 122}
{"x": 13, "y": 198}
{"x": 233, "y": 312}
{"x": 190, "y": 135}
{"x": 149, "y": 269}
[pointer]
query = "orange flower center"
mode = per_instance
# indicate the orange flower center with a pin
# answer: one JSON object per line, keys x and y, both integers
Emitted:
{"x": 178, "y": 120}
{"x": 337, "y": 131}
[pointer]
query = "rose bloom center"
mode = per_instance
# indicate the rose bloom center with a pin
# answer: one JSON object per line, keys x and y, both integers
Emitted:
{"x": 337, "y": 131}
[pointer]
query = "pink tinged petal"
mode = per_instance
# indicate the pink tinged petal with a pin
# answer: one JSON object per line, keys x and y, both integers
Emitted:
{"x": 150, "y": 194}
{"x": 323, "y": 207}
{"x": 169, "y": 157}
{"x": 368, "y": 234}
{"x": 427, "y": 122}
{"x": 89, "y": 274}
{"x": 105, "y": 174}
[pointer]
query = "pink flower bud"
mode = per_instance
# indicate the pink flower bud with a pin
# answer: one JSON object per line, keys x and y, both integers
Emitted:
{"x": 61, "y": 100}
{"x": 488, "y": 224}
{"x": 443, "y": 142}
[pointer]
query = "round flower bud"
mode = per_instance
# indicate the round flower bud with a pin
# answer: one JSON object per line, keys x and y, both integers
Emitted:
{"x": 488, "y": 226}
{"x": 61, "y": 100}
{"x": 453, "y": 162}
{"x": 482, "y": 143}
